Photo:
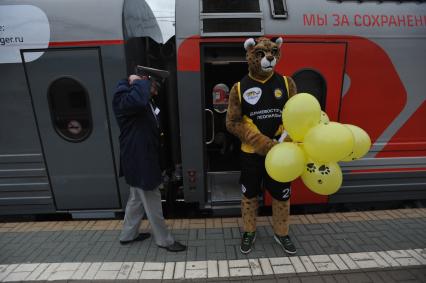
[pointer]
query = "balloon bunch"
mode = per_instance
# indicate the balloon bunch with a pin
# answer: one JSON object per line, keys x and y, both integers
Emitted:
{"x": 317, "y": 145}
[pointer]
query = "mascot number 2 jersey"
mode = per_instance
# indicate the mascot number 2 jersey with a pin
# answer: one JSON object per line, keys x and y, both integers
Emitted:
{"x": 262, "y": 103}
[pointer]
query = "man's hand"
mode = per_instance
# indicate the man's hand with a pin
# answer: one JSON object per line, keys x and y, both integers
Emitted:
{"x": 154, "y": 87}
{"x": 132, "y": 78}
{"x": 154, "y": 84}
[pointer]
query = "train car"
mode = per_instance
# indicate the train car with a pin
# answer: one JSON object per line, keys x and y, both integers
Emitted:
{"x": 59, "y": 65}
{"x": 60, "y": 61}
{"x": 364, "y": 61}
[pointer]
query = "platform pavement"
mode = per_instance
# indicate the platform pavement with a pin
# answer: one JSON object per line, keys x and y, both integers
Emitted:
{"x": 372, "y": 246}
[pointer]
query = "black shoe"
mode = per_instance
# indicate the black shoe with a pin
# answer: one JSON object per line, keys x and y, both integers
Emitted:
{"x": 140, "y": 237}
{"x": 286, "y": 243}
{"x": 247, "y": 242}
{"x": 175, "y": 247}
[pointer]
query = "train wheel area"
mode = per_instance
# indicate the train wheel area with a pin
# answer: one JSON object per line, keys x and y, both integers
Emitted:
{"x": 361, "y": 246}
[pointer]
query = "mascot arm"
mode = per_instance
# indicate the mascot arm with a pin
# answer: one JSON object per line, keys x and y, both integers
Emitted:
{"x": 235, "y": 125}
{"x": 292, "y": 89}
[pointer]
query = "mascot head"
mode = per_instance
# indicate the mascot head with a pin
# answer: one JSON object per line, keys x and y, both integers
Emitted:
{"x": 262, "y": 56}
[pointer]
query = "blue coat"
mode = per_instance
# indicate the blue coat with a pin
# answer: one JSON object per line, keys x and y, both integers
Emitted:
{"x": 139, "y": 134}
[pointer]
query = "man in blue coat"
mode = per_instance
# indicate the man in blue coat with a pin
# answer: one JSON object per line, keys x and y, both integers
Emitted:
{"x": 140, "y": 131}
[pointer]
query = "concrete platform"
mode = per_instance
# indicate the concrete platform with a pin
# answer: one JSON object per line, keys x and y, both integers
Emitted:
{"x": 374, "y": 246}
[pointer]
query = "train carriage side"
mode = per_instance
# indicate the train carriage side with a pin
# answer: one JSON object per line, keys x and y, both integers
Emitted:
{"x": 364, "y": 62}
{"x": 60, "y": 62}
{"x": 58, "y": 153}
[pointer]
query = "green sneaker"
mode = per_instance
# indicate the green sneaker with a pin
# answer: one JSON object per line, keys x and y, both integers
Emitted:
{"x": 286, "y": 243}
{"x": 247, "y": 242}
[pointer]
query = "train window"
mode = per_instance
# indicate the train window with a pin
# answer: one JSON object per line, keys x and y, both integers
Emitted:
{"x": 231, "y": 17}
{"x": 311, "y": 81}
{"x": 230, "y": 6}
{"x": 232, "y": 25}
{"x": 278, "y": 8}
{"x": 70, "y": 109}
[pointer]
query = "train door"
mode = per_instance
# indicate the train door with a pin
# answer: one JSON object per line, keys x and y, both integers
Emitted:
{"x": 317, "y": 68}
{"x": 224, "y": 64}
{"x": 68, "y": 96}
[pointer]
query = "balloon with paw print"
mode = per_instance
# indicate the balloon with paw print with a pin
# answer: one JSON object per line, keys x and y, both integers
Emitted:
{"x": 318, "y": 139}
{"x": 322, "y": 178}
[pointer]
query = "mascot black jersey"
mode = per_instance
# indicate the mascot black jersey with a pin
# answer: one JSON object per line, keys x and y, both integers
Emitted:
{"x": 262, "y": 103}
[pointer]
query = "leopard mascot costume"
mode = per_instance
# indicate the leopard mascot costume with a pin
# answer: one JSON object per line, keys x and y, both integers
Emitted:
{"x": 254, "y": 116}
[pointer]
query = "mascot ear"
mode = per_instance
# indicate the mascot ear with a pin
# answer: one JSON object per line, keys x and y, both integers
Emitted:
{"x": 279, "y": 41}
{"x": 249, "y": 43}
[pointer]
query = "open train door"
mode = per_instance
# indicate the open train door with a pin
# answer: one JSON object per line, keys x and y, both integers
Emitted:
{"x": 223, "y": 64}
{"x": 318, "y": 68}
{"x": 68, "y": 97}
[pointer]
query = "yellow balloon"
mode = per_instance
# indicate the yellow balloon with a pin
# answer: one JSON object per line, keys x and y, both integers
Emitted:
{"x": 301, "y": 112}
{"x": 328, "y": 142}
{"x": 324, "y": 118}
{"x": 322, "y": 178}
{"x": 285, "y": 162}
{"x": 362, "y": 143}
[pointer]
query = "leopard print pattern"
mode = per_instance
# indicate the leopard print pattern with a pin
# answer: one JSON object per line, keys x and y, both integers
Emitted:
{"x": 264, "y": 49}
{"x": 249, "y": 213}
{"x": 280, "y": 217}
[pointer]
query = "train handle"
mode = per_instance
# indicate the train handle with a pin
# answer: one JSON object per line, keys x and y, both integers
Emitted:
{"x": 212, "y": 114}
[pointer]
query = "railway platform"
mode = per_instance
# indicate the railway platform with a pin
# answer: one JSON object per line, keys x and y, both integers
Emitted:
{"x": 371, "y": 246}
